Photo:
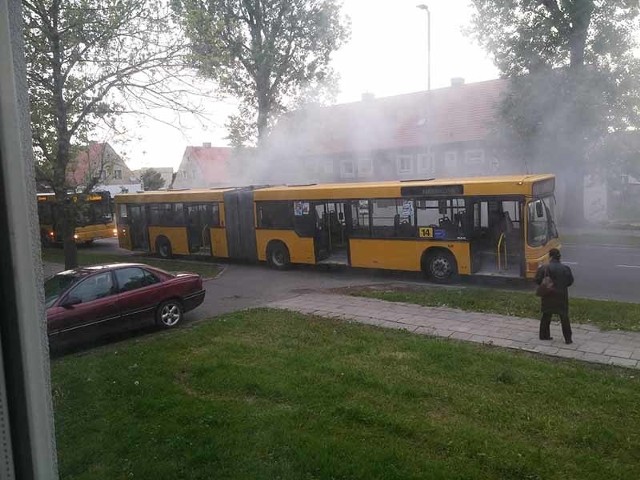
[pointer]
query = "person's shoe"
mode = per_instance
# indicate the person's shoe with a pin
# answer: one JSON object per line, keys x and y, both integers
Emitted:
{"x": 547, "y": 338}
{"x": 568, "y": 342}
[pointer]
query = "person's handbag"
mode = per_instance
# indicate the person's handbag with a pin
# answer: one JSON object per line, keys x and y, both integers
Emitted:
{"x": 546, "y": 286}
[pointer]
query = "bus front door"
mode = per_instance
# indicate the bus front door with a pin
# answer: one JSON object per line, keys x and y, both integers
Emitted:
{"x": 496, "y": 238}
{"x": 331, "y": 240}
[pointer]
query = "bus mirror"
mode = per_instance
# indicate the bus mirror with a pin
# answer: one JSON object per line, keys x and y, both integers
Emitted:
{"x": 442, "y": 207}
{"x": 539, "y": 209}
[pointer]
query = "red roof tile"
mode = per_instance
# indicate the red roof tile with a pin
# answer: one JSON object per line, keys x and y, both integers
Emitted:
{"x": 455, "y": 114}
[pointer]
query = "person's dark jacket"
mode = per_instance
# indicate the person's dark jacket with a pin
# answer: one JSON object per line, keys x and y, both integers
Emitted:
{"x": 558, "y": 301}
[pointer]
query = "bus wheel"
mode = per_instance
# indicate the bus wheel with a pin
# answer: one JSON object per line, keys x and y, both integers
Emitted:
{"x": 88, "y": 243}
{"x": 163, "y": 247}
{"x": 440, "y": 266}
{"x": 45, "y": 240}
{"x": 278, "y": 256}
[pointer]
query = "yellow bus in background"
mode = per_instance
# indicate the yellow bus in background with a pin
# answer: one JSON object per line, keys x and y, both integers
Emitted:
{"x": 499, "y": 226}
{"x": 94, "y": 218}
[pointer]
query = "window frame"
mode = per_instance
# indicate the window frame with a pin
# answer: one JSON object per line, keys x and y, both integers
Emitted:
{"x": 399, "y": 159}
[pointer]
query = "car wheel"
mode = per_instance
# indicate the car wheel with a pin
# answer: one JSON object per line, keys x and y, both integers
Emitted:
{"x": 278, "y": 256}
{"x": 440, "y": 266}
{"x": 163, "y": 247}
{"x": 169, "y": 314}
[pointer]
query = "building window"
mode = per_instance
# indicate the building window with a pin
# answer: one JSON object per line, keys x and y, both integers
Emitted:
{"x": 474, "y": 157}
{"x": 450, "y": 161}
{"x": 117, "y": 174}
{"x": 347, "y": 169}
{"x": 426, "y": 163}
{"x": 365, "y": 167}
{"x": 405, "y": 164}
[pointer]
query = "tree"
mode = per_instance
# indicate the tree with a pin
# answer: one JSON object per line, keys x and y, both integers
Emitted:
{"x": 264, "y": 52}
{"x": 573, "y": 74}
{"x": 152, "y": 179}
{"x": 88, "y": 62}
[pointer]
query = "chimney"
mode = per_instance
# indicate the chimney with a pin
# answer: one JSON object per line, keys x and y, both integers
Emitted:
{"x": 368, "y": 96}
{"x": 206, "y": 144}
{"x": 457, "y": 81}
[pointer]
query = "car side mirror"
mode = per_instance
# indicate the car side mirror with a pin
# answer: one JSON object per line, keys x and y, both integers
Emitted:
{"x": 70, "y": 302}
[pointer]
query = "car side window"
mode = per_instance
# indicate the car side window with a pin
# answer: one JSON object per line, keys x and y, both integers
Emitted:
{"x": 93, "y": 288}
{"x": 132, "y": 278}
{"x": 150, "y": 278}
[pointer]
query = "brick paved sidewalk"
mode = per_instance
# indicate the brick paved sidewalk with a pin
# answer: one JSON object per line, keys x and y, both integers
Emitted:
{"x": 589, "y": 343}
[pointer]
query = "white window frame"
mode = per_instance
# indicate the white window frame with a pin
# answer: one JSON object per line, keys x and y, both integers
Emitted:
{"x": 400, "y": 159}
{"x": 365, "y": 167}
{"x": 449, "y": 157}
{"x": 474, "y": 157}
{"x": 426, "y": 163}
{"x": 343, "y": 171}
{"x": 117, "y": 174}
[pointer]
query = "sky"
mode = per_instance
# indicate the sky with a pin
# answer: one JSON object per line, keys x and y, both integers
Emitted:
{"x": 386, "y": 55}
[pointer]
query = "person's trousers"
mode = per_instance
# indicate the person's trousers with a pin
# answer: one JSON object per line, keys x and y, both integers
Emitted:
{"x": 545, "y": 326}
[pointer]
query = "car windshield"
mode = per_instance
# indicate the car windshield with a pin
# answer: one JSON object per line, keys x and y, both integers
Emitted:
{"x": 57, "y": 285}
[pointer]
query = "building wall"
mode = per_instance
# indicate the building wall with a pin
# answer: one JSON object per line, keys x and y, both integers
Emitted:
{"x": 455, "y": 159}
{"x": 189, "y": 174}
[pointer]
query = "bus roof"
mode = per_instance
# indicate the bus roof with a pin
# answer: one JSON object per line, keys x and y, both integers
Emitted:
{"x": 496, "y": 185}
{"x": 196, "y": 195}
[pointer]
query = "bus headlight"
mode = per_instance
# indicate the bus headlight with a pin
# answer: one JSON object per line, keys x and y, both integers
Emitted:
{"x": 115, "y": 232}
{"x": 51, "y": 234}
{"x": 75, "y": 237}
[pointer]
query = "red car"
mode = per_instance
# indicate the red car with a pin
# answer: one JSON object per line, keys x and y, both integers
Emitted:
{"x": 102, "y": 299}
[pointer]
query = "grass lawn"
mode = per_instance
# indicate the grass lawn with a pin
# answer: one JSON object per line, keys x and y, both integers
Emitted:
{"x": 607, "y": 315}
{"x": 266, "y": 394}
{"x": 88, "y": 257}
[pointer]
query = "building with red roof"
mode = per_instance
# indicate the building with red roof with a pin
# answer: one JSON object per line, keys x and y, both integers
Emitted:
{"x": 415, "y": 135}
{"x": 203, "y": 167}
{"x": 99, "y": 164}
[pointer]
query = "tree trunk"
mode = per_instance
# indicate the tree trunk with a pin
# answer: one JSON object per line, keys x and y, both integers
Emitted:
{"x": 68, "y": 242}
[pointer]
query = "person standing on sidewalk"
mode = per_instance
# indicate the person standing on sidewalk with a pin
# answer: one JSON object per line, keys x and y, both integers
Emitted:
{"x": 557, "y": 301}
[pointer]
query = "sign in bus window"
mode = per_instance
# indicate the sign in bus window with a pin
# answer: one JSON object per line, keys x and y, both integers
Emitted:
{"x": 426, "y": 232}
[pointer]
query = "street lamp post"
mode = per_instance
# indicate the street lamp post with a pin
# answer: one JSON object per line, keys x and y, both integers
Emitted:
{"x": 424, "y": 7}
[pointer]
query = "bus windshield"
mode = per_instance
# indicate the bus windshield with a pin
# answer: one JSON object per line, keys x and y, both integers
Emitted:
{"x": 541, "y": 221}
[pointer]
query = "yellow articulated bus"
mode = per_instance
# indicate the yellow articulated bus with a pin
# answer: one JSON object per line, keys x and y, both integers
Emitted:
{"x": 94, "y": 218}
{"x": 501, "y": 226}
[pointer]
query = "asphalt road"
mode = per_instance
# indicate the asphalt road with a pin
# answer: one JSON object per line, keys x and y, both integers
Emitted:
{"x": 611, "y": 273}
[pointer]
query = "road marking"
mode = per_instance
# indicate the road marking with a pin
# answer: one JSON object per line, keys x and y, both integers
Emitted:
{"x": 628, "y": 266}
{"x": 571, "y": 263}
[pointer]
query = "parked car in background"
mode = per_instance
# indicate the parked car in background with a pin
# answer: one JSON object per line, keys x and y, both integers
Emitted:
{"x": 94, "y": 301}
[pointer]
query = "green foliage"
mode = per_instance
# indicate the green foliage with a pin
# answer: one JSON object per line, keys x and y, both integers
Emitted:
{"x": 269, "y": 394}
{"x": 88, "y": 62}
{"x": 152, "y": 179}
{"x": 263, "y": 52}
{"x": 574, "y": 75}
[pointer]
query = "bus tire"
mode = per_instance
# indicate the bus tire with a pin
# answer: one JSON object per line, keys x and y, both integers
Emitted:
{"x": 45, "y": 239}
{"x": 163, "y": 247}
{"x": 439, "y": 265}
{"x": 278, "y": 256}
